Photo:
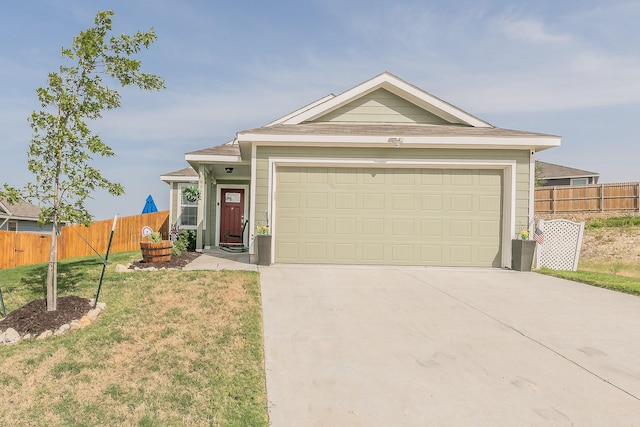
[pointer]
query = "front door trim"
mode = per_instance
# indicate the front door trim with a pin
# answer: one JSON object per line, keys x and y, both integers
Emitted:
{"x": 219, "y": 189}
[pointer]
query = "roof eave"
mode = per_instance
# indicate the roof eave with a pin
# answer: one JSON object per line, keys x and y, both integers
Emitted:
{"x": 178, "y": 178}
{"x": 536, "y": 143}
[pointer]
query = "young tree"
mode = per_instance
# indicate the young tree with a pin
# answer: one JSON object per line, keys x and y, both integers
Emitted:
{"x": 62, "y": 144}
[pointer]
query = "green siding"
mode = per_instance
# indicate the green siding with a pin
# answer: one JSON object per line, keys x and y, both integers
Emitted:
{"x": 381, "y": 106}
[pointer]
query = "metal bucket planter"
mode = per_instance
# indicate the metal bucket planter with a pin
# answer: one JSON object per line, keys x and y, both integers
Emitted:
{"x": 522, "y": 254}
{"x": 156, "y": 252}
{"x": 264, "y": 249}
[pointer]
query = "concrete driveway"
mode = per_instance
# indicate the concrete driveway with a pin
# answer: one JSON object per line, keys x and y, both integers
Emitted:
{"x": 369, "y": 346}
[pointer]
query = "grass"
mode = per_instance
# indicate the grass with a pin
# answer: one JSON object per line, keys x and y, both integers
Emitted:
{"x": 614, "y": 222}
{"x": 172, "y": 348}
{"x": 617, "y": 273}
{"x": 629, "y": 285}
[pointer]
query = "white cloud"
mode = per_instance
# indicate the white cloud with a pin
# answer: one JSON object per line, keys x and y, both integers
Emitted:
{"x": 533, "y": 31}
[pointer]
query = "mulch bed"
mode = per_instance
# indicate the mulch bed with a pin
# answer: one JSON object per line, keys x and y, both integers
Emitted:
{"x": 176, "y": 262}
{"x": 33, "y": 318}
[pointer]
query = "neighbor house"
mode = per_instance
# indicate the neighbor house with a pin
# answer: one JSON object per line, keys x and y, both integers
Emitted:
{"x": 384, "y": 173}
{"x": 21, "y": 217}
{"x": 552, "y": 174}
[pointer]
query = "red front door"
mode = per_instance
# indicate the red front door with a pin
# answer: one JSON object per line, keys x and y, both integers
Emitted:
{"x": 231, "y": 215}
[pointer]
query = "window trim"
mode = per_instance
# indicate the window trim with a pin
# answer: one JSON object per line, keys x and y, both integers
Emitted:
{"x": 181, "y": 204}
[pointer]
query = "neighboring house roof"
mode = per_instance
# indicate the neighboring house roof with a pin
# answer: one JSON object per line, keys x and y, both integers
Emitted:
{"x": 553, "y": 171}
{"x": 19, "y": 210}
{"x": 186, "y": 174}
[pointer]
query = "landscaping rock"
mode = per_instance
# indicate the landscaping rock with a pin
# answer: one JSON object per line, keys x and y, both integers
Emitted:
{"x": 10, "y": 336}
{"x": 120, "y": 268}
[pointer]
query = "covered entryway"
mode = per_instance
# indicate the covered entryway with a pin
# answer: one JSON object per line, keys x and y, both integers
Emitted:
{"x": 392, "y": 216}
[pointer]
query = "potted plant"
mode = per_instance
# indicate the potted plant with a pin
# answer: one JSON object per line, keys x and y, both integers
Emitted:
{"x": 522, "y": 250}
{"x": 191, "y": 193}
{"x": 264, "y": 244}
{"x": 156, "y": 249}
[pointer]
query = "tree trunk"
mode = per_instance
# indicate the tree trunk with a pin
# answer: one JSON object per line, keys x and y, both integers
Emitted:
{"x": 52, "y": 273}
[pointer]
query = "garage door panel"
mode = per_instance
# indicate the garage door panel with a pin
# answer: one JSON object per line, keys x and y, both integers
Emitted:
{"x": 432, "y": 202}
{"x": 373, "y": 226}
{"x": 462, "y": 203}
{"x": 431, "y": 228}
{"x": 289, "y": 225}
{"x": 346, "y": 226}
{"x": 345, "y": 201}
{"x": 373, "y": 252}
{"x": 373, "y": 201}
{"x": 315, "y": 226}
{"x": 389, "y": 216}
{"x": 315, "y": 251}
{"x": 432, "y": 177}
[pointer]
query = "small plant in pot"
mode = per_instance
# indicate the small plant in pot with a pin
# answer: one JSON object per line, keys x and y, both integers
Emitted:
{"x": 156, "y": 249}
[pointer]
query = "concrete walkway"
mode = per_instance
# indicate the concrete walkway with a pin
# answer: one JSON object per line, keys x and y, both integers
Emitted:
{"x": 218, "y": 259}
{"x": 369, "y": 346}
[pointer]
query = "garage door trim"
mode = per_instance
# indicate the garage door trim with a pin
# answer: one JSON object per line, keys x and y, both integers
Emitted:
{"x": 508, "y": 168}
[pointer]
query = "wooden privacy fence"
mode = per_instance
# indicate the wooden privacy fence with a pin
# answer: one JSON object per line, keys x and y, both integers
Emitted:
{"x": 622, "y": 197}
{"x": 30, "y": 248}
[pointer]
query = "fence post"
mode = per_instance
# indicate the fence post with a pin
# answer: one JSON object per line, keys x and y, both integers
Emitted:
{"x": 553, "y": 200}
{"x": 601, "y": 197}
{"x": 638, "y": 194}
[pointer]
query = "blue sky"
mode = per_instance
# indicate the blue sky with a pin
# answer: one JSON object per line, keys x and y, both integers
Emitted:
{"x": 570, "y": 68}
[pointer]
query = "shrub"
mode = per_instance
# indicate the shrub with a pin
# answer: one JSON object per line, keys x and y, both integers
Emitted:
{"x": 186, "y": 242}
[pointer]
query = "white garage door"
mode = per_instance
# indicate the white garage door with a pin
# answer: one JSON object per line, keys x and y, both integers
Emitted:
{"x": 402, "y": 216}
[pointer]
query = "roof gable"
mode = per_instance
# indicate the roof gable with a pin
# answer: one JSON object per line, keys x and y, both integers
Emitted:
{"x": 406, "y": 102}
{"x": 381, "y": 106}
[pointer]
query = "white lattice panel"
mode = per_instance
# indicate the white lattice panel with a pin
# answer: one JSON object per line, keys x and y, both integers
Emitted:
{"x": 562, "y": 242}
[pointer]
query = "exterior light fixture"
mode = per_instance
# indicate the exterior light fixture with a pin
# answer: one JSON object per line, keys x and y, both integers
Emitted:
{"x": 228, "y": 170}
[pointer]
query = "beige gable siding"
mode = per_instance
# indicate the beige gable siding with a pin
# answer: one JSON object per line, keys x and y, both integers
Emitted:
{"x": 520, "y": 156}
{"x": 381, "y": 106}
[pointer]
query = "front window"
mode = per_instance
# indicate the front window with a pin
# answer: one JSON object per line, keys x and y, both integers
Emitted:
{"x": 187, "y": 209}
{"x": 13, "y": 225}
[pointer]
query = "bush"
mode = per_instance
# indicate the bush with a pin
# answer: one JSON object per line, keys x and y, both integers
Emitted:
{"x": 186, "y": 242}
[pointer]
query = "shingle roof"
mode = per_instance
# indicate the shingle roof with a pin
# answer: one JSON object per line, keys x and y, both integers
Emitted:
{"x": 391, "y": 130}
{"x": 228, "y": 149}
{"x": 22, "y": 210}
{"x": 553, "y": 171}
{"x": 182, "y": 172}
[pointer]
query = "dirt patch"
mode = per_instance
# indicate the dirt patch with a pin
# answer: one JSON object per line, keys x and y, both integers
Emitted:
{"x": 611, "y": 244}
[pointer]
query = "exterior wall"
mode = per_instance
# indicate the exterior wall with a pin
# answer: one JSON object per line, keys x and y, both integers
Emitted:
{"x": 27, "y": 227}
{"x": 521, "y": 157}
{"x": 381, "y": 106}
{"x": 566, "y": 181}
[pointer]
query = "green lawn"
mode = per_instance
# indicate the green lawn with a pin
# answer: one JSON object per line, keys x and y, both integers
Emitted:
{"x": 629, "y": 285}
{"x": 172, "y": 348}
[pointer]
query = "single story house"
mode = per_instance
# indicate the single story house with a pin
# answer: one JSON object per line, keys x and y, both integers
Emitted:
{"x": 552, "y": 174}
{"x": 383, "y": 173}
{"x": 21, "y": 217}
